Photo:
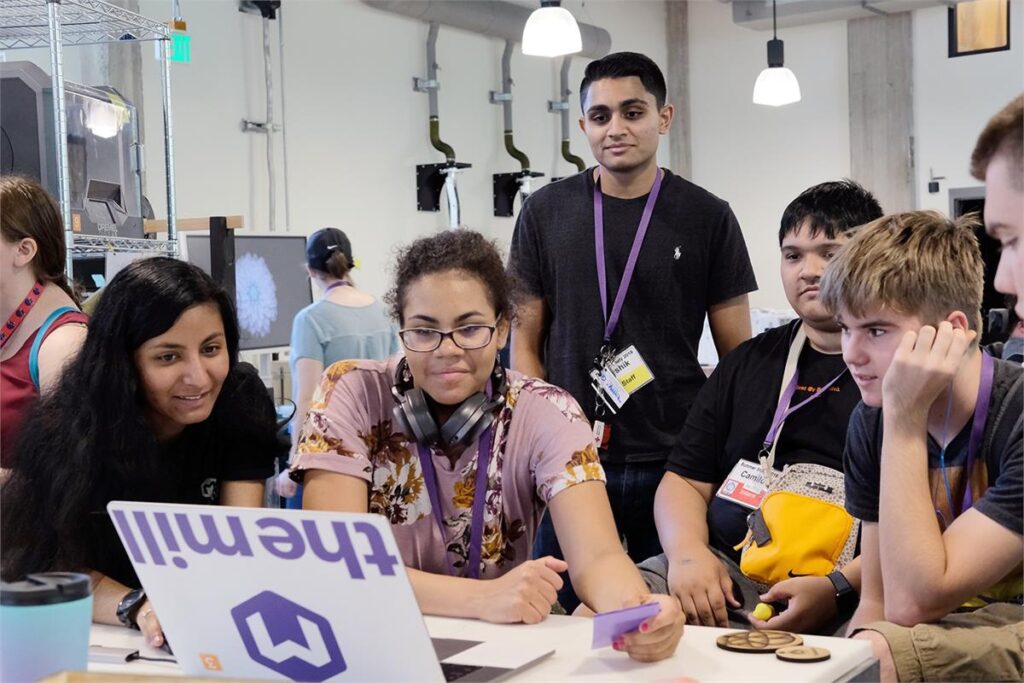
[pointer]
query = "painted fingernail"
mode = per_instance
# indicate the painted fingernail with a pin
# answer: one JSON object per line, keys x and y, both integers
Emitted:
{"x": 616, "y": 645}
{"x": 644, "y": 628}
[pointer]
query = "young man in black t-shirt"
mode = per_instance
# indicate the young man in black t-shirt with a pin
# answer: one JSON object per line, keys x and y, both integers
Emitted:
{"x": 727, "y": 427}
{"x": 934, "y": 455}
{"x": 690, "y": 262}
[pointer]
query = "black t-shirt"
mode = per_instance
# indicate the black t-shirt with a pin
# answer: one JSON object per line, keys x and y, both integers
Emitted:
{"x": 693, "y": 257}
{"x": 1002, "y": 449}
{"x": 238, "y": 442}
{"x": 733, "y": 412}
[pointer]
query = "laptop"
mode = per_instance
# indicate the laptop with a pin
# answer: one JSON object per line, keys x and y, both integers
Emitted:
{"x": 292, "y": 594}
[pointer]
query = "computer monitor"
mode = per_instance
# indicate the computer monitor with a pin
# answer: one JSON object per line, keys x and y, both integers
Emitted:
{"x": 90, "y": 272}
{"x": 271, "y": 285}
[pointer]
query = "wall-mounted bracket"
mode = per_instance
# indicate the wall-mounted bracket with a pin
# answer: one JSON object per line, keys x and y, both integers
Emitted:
{"x": 500, "y": 97}
{"x": 424, "y": 84}
{"x": 507, "y": 186}
{"x": 258, "y": 127}
{"x": 557, "y": 106}
{"x": 430, "y": 179}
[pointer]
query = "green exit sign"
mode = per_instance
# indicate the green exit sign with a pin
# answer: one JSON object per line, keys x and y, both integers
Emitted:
{"x": 181, "y": 48}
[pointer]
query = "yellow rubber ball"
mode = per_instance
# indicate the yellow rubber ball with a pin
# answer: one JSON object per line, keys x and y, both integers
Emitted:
{"x": 763, "y": 611}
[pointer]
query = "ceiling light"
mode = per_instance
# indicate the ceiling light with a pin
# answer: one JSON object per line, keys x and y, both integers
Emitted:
{"x": 551, "y": 31}
{"x": 776, "y": 85}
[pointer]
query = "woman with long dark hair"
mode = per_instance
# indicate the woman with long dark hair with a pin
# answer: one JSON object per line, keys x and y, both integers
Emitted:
{"x": 463, "y": 456}
{"x": 44, "y": 326}
{"x": 155, "y": 407}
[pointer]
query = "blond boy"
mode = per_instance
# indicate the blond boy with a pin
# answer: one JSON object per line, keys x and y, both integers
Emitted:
{"x": 933, "y": 457}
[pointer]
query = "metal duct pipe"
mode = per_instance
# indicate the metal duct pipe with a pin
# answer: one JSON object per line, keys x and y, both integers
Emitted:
{"x": 564, "y": 113}
{"x": 493, "y": 18}
{"x": 284, "y": 124}
{"x": 432, "y": 68}
{"x": 431, "y": 87}
{"x": 506, "y": 106}
{"x": 269, "y": 79}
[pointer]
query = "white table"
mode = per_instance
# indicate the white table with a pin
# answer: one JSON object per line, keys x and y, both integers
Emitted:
{"x": 696, "y": 658}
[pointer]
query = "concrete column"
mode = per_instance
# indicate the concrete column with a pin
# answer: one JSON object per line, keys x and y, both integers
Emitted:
{"x": 677, "y": 77}
{"x": 882, "y": 108}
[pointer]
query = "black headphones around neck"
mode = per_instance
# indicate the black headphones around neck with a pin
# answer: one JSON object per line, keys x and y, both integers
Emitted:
{"x": 413, "y": 417}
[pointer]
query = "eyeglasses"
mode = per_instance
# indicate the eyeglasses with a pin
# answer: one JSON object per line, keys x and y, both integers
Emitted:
{"x": 467, "y": 337}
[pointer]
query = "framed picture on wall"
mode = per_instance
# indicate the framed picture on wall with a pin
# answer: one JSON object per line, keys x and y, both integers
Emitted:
{"x": 979, "y": 26}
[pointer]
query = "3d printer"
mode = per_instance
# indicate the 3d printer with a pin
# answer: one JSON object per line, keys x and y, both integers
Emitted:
{"x": 104, "y": 156}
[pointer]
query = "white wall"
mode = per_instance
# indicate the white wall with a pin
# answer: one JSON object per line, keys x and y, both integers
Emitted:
{"x": 356, "y": 128}
{"x": 759, "y": 158}
{"x": 954, "y": 98}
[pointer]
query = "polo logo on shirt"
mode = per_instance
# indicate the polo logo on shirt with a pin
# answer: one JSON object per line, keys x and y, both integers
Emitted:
{"x": 677, "y": 254}
{"x": 287, "y": 638}
{"x": 208, "y": 489}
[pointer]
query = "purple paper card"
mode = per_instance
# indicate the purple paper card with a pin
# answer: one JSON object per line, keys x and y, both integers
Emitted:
{"x": 608, "y": 626}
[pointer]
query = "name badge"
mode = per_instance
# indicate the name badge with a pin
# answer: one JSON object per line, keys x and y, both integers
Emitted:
{"x": 602, "y": 434}
{"x": 630, "y": 371}
{"x": 610, "y": 387}
{"x": 744, "y": 485}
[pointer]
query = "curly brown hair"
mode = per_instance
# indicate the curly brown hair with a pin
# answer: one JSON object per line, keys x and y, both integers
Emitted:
{"x": 462, "y": 250}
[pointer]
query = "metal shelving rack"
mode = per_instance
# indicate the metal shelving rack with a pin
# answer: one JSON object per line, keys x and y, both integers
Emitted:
{"x": 56, "y": 23}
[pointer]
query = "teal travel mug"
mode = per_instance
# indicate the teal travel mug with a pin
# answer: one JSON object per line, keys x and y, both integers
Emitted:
{"x": 44, "y": 626}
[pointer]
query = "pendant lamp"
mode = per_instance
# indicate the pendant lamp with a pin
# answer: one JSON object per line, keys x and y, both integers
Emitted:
{"x": 777, "y": 85}
{"x": 551, "y": 31}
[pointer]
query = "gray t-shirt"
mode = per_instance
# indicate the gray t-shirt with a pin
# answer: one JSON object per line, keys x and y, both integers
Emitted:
{"x": 328, "y": 332}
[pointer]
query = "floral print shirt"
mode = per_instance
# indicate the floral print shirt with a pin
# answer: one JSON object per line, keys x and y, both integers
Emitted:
{"x": 542, "y": 445}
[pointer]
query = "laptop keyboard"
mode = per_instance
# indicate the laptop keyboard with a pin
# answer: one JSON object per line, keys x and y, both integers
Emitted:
{"x": 453, "y": 672}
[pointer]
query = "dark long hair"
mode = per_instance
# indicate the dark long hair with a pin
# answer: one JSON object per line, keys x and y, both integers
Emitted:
{"x": 28, "y": 211}
{"x": 88, "y": 440}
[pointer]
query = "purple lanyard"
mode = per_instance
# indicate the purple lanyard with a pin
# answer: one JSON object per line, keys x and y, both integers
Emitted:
{"x": 980, "y": 418}
{"x": 476, "y": 534}
{"x": 611, "y": 321}
{"x": 783, "y": 410}
{"x": 335, "y": 285}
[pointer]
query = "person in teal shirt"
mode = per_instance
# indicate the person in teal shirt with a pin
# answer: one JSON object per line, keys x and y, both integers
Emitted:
{"x": 346, "y": 323}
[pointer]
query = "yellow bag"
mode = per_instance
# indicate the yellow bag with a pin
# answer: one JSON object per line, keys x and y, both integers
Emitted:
{"x": 801, "y": 528}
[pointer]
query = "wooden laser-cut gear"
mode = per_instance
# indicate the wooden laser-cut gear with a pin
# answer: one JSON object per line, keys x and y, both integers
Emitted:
{"x": 757, "y": 642}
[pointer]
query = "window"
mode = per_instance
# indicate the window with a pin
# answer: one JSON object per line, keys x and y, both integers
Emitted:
{"x": 979, "y": 26}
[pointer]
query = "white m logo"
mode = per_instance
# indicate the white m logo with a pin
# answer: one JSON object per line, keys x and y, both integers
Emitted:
{"x": 315, "y": 653}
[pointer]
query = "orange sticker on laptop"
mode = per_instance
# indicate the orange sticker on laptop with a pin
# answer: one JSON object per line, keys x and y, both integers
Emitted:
{"x": 210, "y": 662}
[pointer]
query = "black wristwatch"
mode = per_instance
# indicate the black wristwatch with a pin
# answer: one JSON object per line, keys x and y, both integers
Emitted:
{"x": 129, "y": 607}
{"x": 846, "y": 596}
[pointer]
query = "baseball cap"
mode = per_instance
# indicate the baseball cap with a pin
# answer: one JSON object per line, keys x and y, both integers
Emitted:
{"x": 324, "y": 242}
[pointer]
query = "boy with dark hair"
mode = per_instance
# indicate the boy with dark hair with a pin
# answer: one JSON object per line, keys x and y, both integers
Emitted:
{"x": 621, "y": 263}
{"x": 933, "y": 455}
{"x": 998, "y": 159}
{"x": 626, "y": 65}
{"x": 726, "y": 430}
